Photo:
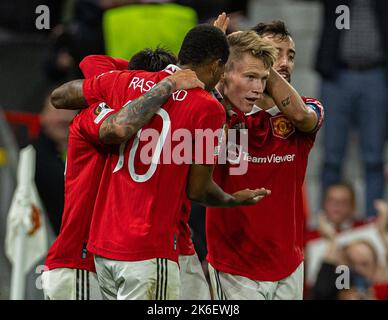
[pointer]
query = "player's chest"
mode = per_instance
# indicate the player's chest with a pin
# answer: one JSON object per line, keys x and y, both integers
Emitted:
{"x": 272, "y": 134}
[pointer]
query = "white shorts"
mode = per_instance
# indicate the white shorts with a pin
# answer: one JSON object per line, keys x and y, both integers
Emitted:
{"x": 226, "y": 286}
{"x": 70, "y": 284}
{"x": 153, "y": 279}
{"x": 194, "y": 285}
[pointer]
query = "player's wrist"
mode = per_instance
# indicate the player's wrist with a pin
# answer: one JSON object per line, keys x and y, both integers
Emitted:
{"x": 171, "y": 82}
{"x": 232, "y": 201}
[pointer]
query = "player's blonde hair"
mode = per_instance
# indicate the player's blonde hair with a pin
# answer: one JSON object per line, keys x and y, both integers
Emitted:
{"x": 242, "y": 42}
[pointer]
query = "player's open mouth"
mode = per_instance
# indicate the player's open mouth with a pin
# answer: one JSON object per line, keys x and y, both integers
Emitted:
{"x": 284, "y": 75}
{"x": 251, "y": 100}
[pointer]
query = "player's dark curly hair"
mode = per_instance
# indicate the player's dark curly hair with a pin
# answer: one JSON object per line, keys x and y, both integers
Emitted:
{"x": 202, "y": 44}
{"x": 275, "y": 28}
{"x": 152, "y": 60}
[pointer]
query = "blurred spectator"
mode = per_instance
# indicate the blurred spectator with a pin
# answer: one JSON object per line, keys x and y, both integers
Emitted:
{"x": 353, "y": 65}
{"x": 50, "y": 149}
{"x": 367, "y": 276}
{"x": 339, "y": 208}
{"x": 382, "y": 220}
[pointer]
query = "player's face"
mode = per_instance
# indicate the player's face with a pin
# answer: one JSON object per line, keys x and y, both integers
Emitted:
{"x": 361, "y": 259}
{"x": 338, "y": 204}
{"x": 55, "y": 123}
{"x": 285, "y": 61}
{"x": 244, "y": 82}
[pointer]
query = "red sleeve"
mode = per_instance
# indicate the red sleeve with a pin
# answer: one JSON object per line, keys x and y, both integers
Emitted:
{"x": 97, "y": 92}
{"x": 91, "y": 120}
{"x": 308, "y": 138}
{"x": 317, "y": 107}
{"x": 209, "y": 130}
{"x": 100, "y": 88}
{"x": 94, "y": 65}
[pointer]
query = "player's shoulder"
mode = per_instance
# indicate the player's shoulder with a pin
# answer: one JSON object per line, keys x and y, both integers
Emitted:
{"x": 125, "y": 73}
{"x": 201, "y": 98}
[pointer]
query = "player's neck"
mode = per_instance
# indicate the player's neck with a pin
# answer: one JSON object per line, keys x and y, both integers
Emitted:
{"x": 201, "y": 72}
{"x": 187, "y": 66}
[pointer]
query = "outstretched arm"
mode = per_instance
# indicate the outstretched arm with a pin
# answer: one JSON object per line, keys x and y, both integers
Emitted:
{"x": 202, "y": 188}
{"x": 290, "y": 103}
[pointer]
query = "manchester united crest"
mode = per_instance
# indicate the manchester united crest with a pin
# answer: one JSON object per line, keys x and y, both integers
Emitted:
{"x": 282, "y": 127}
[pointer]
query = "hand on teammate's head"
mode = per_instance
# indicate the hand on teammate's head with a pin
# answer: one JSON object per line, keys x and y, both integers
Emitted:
{"x": 222, "y": 22}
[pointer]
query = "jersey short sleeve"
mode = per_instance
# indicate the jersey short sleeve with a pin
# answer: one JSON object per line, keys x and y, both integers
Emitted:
{"x": 99, "y": 88}
{"x": 94, "y": 65}
{"x": 97, "y": 91}
{"x": 308, "y": 139}
{"x": 317, "y": 107}
{"x": 91, "y": 120}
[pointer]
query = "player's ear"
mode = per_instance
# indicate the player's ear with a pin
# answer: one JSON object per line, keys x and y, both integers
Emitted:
{"x": 217, "y": 66}
{"x": 222, "y": 79}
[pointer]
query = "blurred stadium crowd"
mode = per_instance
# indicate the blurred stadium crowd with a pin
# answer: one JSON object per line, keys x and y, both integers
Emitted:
{"x": 346, "y": 215}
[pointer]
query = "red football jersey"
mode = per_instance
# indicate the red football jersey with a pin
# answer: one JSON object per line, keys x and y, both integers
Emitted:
{"x": 139, "y": 204}
{"x": 264, "y": 242}
{"x": 84, "y": 166}
{"x": 96, "y": 64}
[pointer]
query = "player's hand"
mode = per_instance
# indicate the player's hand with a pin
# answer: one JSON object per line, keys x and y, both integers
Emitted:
{"x": 249, "y": 197}
{"x": 186, "y": 79}
{"x": 222, "y": 22}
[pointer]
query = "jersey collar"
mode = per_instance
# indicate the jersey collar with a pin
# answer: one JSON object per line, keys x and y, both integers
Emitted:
{"x": 272, "y": 111}
{"x": 171, "y": 68}
{"x": 217, "y": 94}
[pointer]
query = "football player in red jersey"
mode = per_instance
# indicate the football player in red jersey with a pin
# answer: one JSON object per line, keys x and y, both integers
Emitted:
{"x": 257, "y": 252}
{"x": 194, "y": 285}
{"x": 134, "y": 227}
{"x": 70, "y": 273}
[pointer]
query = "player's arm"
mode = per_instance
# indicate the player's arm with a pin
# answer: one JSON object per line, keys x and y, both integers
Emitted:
{"x": 202, "y": 188}
{"x": 69, "y": 96}
{"x": 290, "y": 103}
{"x": 122, "y": 125}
